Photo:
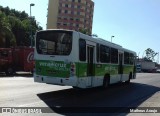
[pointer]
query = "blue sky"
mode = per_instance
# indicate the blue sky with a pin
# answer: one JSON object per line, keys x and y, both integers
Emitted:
{"x": 134, "y": 23}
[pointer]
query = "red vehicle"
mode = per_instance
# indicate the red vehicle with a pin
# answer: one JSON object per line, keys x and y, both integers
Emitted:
{"x": 16, "y": 59}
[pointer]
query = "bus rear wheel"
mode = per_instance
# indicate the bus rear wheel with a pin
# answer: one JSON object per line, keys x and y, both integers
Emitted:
{"x": 106, "y": 81}
{"x": 129, "y": 80}
{"x": 76, "y": 88}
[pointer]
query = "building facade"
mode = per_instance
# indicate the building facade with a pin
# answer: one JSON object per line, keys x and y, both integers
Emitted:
{"x": 70, "y": 14}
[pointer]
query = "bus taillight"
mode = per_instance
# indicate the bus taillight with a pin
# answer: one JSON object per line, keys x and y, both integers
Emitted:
{"x": 72, "y": 69}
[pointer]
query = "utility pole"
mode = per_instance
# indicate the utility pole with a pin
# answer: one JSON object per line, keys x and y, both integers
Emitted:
{"x": 111, "y": 38}
{"x": 31, "y": 37}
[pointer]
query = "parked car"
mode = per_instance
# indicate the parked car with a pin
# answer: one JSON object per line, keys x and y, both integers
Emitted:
{"x": 158, "y": 71}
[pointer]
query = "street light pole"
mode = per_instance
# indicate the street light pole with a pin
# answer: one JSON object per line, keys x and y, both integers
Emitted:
{"x": 31, "y": 24}
{"x": 111, "y": 38}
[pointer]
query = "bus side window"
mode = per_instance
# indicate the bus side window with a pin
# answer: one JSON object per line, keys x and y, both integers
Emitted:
{"x": 104, "y": 54}
{"x": 114, "y": 55}
{"x": 82, "y": 50}
{"x": 98, "y": 53}
{"x": 131, "y": 58}
{"x": 126, "y": 58}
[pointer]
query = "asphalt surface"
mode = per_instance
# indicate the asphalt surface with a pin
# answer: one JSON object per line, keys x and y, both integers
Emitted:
{"x": 22, "y": 91}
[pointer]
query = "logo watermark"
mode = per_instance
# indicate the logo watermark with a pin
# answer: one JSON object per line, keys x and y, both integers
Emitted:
{"x": 39, "y": 110}
{"x": 18, "y": 110}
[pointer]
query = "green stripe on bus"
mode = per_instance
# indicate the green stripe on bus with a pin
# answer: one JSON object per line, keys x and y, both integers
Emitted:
{"x": 63, "y": 70}
{"x": 52, "y": 68}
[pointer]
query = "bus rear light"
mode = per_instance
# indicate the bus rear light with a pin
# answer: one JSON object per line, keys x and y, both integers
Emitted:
{"x": 67, "y": 77}
{"x": 72, "y": 66}
{"x": 72, "y": 69}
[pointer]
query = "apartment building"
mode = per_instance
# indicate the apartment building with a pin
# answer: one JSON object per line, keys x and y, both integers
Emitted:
{"x": 70, "y": 14}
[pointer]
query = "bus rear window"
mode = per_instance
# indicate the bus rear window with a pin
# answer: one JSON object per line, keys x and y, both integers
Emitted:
{"x": 54, "y": 42}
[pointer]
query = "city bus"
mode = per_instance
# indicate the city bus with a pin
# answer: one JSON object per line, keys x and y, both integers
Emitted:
{"x": 67, "y": 57}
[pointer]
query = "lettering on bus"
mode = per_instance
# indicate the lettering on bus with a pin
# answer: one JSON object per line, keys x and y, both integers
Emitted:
{"x": 110, "y": 68}
{"x": 55, "y": 65}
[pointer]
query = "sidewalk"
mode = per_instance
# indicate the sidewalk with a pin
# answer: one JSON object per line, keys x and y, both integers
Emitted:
{"x": 153, "y": 102}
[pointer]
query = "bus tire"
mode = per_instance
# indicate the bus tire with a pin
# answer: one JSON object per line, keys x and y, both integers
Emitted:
{"x": 129, "y": 80}
{"x": 76, "y": 88}
{"x": 106, "y": 81}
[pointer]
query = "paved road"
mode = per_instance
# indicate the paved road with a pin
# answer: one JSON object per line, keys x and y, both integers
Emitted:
{"x": 21, "y": 91}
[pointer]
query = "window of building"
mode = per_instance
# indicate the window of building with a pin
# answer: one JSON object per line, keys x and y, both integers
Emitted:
{"x": 77, "y": 25}
{"x": 71, "y": 24}
{"x": 73, "y": 0}
{"x": 78, "y": 13}
{"x": 71, "y": 19}
{"x": 65, "y": 18}
{"x": 72, "y": 12}
{"x": 78, "y": 6}
{"x": 59, "y": 11}
{"x": 77, "y": 20}
{"x": 79, "y": 1}
{"x": 66, "y": 11}
{"x": 72, "y": 6}
{"x": 104, "y": 54}
{"x": 66, "y": 5}
{"x": 65, "y": 24}
{"x": 75, "y": 6}
{"x": 58, "y": 24}
{"x": 114, "y": 55}
{"x": 86, "y": 9}
{"x": 60, "y": 5}
{"x": 82, "y": 50}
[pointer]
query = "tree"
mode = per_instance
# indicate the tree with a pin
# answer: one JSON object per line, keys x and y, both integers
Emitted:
{"x": 7, "y": 37}
{"x": 94, "y": 35}
{"x": 15, "y": 27}
{"x": 85, "y": 31}
{"x": 150, "y": 54}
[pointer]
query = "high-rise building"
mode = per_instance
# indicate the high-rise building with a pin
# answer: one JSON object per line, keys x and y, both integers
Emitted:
{"x": 70, "y": 14}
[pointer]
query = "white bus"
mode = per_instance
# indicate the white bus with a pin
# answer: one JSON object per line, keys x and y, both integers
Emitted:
{"x": 66, "y": 57}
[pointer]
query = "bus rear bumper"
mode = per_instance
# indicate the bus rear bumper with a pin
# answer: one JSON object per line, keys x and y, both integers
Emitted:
{"x": 72, "y": 81}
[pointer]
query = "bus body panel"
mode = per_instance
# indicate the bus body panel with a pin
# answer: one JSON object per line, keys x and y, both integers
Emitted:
{"x": 69, "y": 70}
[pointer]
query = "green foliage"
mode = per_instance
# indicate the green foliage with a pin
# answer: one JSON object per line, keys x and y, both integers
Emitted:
{"x": 94, "y": 35}
{"x": 85, "y": 31}
{"x": 150, "y": 54}
{"x": 15, "y": 27}
{"x": 6, "y": 35}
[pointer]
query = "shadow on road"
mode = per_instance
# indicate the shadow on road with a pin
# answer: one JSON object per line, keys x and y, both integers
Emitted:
{"x": 18, "y": 74}
{"x": 116, "y": 98}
